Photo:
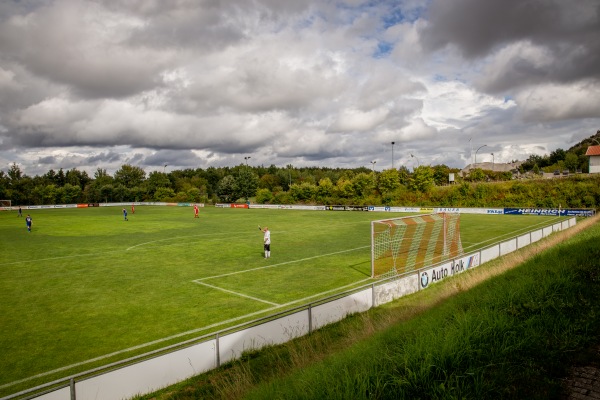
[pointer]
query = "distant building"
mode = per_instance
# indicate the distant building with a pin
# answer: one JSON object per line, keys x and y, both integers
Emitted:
{"x": 488, "y": 166}
{"x": 593, "y": 152}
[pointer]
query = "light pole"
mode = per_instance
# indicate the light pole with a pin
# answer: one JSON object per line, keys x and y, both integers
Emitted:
{"x": 471, "y": 155}
{"x": 393, "y": 143}
{"x": 475, "y": 164}
{"x": 246, "y": 187}
{"x": 165, "y": 169}
{"x": 373, "y": 164}
{"x": 418, "y": 163}
{"x": 492, "y": 161}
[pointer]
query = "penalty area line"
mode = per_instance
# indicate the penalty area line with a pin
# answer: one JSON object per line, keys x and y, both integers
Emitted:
{"x": 237, "y": 294}
{"x": 278, "y": 265}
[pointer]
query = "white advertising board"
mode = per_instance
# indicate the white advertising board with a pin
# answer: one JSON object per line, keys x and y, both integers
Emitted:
{"x": 278, "y": 331}
{"x": 336, "y": 310}
{"x": 508, "y": 247}
{"x": 151, "y": 375}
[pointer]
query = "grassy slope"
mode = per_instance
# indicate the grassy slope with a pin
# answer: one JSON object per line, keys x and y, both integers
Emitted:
{"x": 506, "y": 330}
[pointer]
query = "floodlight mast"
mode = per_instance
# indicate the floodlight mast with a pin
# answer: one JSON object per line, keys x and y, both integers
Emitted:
{"x": 476, "y": 153}
{"x": 413, "y": 156}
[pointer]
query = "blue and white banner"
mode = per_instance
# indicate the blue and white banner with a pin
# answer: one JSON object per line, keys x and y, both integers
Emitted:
{"x": 557, "y": 212}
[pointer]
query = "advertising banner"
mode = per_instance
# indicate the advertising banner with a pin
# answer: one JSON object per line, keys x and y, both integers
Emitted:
{"x": 453, "y": 267}
{"x": 347, "y": 208}
{"x": 556, "y": 212}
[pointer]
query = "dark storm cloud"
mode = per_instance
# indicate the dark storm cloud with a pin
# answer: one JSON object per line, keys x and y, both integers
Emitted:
{"x": 564, "y": 32}
{"x": 61, "y": 42}
{"x": 47, "y": 160}
{"x": 173, "y": 158}
{"x": 104, "y": 157}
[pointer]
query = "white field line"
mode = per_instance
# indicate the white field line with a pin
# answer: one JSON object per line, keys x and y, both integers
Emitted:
{"x": 215, "y": 325}
{"x": 63, "y": 257}
{"x": 229, "y": 236}
{"x": 237, "y": 293}
{"x": 184, "y": 243}
{"x": 280, "y": 264}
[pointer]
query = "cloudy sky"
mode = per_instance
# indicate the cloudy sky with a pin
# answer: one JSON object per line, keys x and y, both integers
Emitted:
{"x": 200, "y": 83}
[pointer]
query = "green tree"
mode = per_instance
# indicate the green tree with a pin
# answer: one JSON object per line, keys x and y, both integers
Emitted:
{"x": 363, "y": 184}
{"x": 227, "y": 189}
{"x": 164, "y": 194}
{"x": 324, "y": 190}
{"x": 422, "y": 179}
{"x": 441, "y": 174}
{"x": 156, "y": 180}
{"x": 193, "y": 195}
{"x": 50, "y": 193}
{"x": 269, "y": 181}
{"x": 556, "y": 156}
{"x": 303, "y": 192}
{"x": 121, "y": 192}
{"x": 571, "y": 162}
{"x": 69, "y": 194}
{"x": 389, "y": 180}
{"x": 477, "y": 175}
{"x": 106, "y": 193}
{"x": 246, "y": 183}
{"x": 344, "y": 188}
{"x": 130, "y": 176}
{"x": 264, "y": 196}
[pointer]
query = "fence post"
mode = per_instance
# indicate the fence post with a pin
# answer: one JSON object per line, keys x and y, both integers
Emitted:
{"x": 72, "y": 388}
{"x": 218, "y": 350}
{"x": 310, "y": 318}
{"x": 373, "y": 295}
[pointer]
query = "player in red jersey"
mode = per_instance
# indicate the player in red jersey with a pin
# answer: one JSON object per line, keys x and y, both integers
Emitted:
{"x": 196, "y": 211}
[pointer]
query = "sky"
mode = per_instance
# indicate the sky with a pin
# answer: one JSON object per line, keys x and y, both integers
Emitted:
{"x": 168, "y": 85}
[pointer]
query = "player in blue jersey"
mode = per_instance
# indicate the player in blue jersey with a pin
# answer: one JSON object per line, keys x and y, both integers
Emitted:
{"x": 125, "y": 215}
{"x": 28, "y": 221}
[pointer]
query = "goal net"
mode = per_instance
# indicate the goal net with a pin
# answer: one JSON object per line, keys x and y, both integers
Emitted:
{"x": 404, "y": 244}
{"x": 5, "y": 203}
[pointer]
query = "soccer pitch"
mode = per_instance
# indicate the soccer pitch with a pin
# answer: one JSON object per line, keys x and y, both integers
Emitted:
{"x": 86, "y": 287}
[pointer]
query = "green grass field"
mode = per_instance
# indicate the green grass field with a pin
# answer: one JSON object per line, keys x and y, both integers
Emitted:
{"x": 85, "y": 287}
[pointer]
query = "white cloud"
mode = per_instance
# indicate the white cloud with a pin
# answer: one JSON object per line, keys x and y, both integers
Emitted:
{"x": 195, "y": 84}
{"x": 560, "y": 102}
{"x": 453, "y": 104}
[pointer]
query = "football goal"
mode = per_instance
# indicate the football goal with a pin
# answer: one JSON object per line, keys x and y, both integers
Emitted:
{"x": 404, "y": 244}
{"x": 5, "y": 203}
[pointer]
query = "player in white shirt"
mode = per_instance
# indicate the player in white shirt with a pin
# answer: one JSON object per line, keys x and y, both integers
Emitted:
{"x": 267, "y": 242}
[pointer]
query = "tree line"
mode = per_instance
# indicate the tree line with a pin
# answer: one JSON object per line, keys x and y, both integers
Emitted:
{"x": 426, "y": 185}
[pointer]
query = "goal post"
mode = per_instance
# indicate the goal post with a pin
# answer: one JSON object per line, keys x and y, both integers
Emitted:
{"x": 6, "y": 204}
{"x": 404, "y": 244}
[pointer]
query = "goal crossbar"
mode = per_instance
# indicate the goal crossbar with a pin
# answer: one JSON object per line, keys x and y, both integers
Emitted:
{"x": 404, "y": 244}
